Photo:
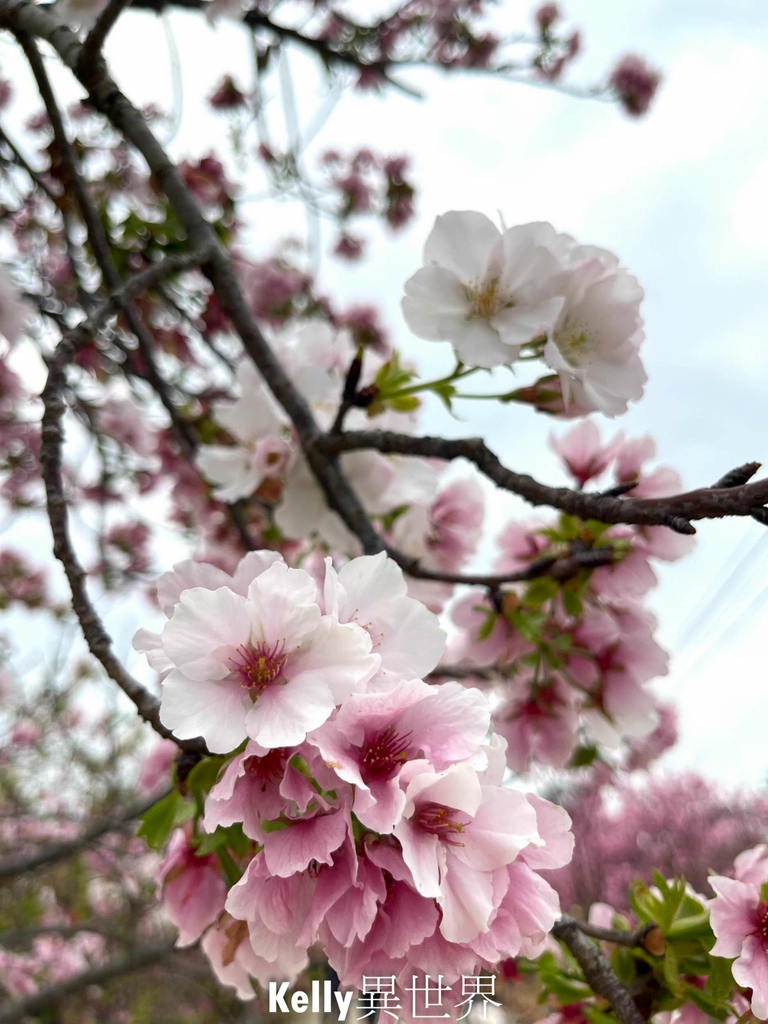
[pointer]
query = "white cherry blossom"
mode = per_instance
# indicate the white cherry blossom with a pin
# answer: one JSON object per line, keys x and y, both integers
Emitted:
{"x": 268, "y": 665}
{"x": 259, "y": 426}
{"x": 594, "y": 344}
{"x": 486, "y": 292}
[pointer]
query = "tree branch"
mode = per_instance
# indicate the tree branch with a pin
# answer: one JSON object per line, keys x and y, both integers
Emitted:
{"x": 34, "y": 1005}
{"x": 675, "y": 511}
{"x": 634, "y": 940}
{"x": 105, "y": 22}
{"x": 59, "y": 851}
{"x": 596, "y": 969}
{"x": 97, "y": 638}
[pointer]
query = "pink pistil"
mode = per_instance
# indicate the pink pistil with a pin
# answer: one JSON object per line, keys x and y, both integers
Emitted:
{"x": 257, "y": 666}
{"x": 268, "y": 768}
{"x": 762, "y": 927}
{"x": 384, "y": 754}
{"x": 441, "y": 821}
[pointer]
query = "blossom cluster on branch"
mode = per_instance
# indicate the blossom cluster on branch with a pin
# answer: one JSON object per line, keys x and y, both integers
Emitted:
{"x": 342, "y": 789}
{"x": 369, "y": 804}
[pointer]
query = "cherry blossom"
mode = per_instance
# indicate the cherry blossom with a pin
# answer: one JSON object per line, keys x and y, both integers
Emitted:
{"x": 739, "y": 917}
{"x": 485, "y": 291}
{"x": 267, "y": 665}
{"x": 255, "y": 422}
{"x": 594, "y": 343}
{"x": 371, "y": 592}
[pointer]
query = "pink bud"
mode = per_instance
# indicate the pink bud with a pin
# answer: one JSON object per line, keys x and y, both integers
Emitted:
{"x": 227, "y": 96}
{"x": 635, "y": 84}
{"x": 546, "y": 16}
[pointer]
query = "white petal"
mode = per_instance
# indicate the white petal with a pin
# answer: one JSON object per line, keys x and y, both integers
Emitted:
{"x": 207, "y": 626}
{"x": 462, "y": 241}
{"x": 213, "y": 710}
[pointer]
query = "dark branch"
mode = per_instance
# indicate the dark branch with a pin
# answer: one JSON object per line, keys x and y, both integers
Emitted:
{"x": 104, "y": 25}
{"x": 597, "y": 970}
{"x": 558, "y": 568}
{"x": 639, "y": 939}
{"x": 486, "y": 672}
{"x": 97, "y": 638}
{"x": 675, "y": 511}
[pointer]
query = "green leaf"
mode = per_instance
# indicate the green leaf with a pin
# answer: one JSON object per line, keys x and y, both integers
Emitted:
{"x": 583, "y": 756}
{"x": 672, "y": 972}
{"x": 445, "y": 392}
{"x": 232, "y": 872}
{"x": 720, "y": 983}
{"x": 694, "y": 926}
{"x": 203, "y": 777}
{"x": 392, "y": 377}
{"x": 572, "y": 603}
{"x": 596, "y": 1016}
{"x": 565, "y": 986}
{"x": 644, "y": 903}
{"x": 161, "y": 819}
{"x": 232, "y": 837}
{"x": 487, "y": 627}
{"x": 717, "y": 1008}
{"x": 404, "y": 403}
{"x": 540, "y": 591}
{"x": 277, "y": 825}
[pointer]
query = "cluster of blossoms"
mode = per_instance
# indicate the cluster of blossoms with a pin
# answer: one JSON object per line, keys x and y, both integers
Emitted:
{"x": 529, "y": 291}
{"x": 570, "y": 662}
{"x": 370, "y": 802}
{"x": 366, "y": 183}
{"x": 626, "y": 828}
{"x": 739, "y": 917}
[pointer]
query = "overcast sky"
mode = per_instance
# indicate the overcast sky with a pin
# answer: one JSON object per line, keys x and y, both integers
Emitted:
{"x": 679, "y": 196}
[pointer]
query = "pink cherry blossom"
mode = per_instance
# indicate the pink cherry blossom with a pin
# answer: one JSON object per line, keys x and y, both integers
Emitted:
{"x": 157, "y": 765}
{"x": 538, "y": 722}
{"x": 494, "y": 825}
{"x": 193, "y": 888}
{"x": 261, "y": 785}
{"x": 582, "y": 452}
{"x": 739, "y": 918}
{"x": 373, "y": 735}
{"x": 371, "y": 592}
{"x": 258, "y": 426}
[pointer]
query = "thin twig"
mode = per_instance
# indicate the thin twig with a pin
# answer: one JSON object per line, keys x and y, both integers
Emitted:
{"x": 557, "y": 568}
{"x": 634, "y": 940}
{"x": 98, "y": 640}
